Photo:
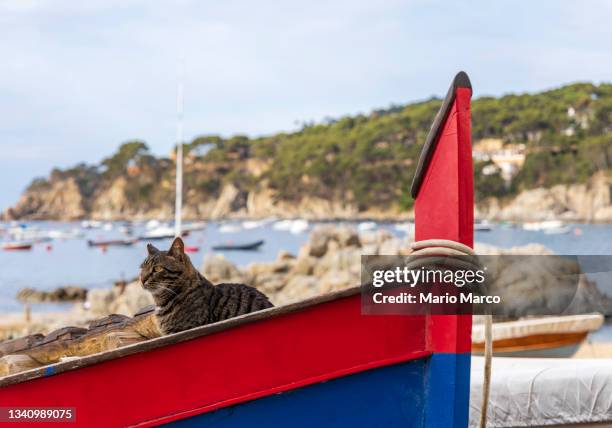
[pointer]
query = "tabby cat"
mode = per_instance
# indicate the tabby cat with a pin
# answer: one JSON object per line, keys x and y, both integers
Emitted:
{"x": 185, "y": 299}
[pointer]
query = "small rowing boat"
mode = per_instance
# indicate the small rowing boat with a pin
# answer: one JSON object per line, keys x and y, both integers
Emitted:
{"x": 162, "y": 232}
{"x": 251, "y": 246}
{"x": 546, "y": 337}
{"x": 17, "y": 246}
{"x": 112, "y": 243}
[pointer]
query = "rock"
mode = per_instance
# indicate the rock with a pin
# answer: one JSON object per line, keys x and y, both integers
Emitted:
{"x": 133, "y": 298}
{"x": 99, "y": 300}
{"x": 376, "y": 237}
{"x": 390, "y": 247}
{"x": 319, "y": 238}
{"x": 218, "y": 269}
{"x": 231, "y": 199}
{"x": 270, "y": 282}
{"x": 347, "y": 237}
{"x": 343, "y": 259}
{"x": 102, "y": 302}
{"x": 60, "y": 294}
{"x": 591, "y": 201}
{"x": 304, "y": 265}
{"x": 337, "y": 280}
{"x": 285, "y": 255}
{"x": 56, "y": 199}
{"x": 298, "y": 288}
{"x": 279, "y": 266}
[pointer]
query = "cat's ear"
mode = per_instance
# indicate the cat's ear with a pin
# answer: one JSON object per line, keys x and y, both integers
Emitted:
{"x": 177, "y": 249}
{"x": 152, "y": 250}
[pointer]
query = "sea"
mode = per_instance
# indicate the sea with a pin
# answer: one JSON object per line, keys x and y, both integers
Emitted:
{"x": 71, "y": 261}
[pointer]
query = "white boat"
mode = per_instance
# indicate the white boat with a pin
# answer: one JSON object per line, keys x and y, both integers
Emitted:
{"x": 298, "y": 226}
{"x": 196, "y": 225}
{"x": 537, "y": 226}
{"x": 65, "y": 234}
{"x": 366, "y": 225}
{"x": 161, "y": 232}
{"x": 558, "y": 230}
{"x": 550, "y": 337}
{"x": 28, "y": 234}
{"x": 229, "y": 228}
{"x": 152, "y": 224}
{"x": 282, "y": 225}
{"x": 482, "y": 226}
{"x": 91, "y": 224}
{"x": 252, "y": 224}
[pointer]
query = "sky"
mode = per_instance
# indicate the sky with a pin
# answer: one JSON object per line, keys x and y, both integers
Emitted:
{"x": 79, "y": 78}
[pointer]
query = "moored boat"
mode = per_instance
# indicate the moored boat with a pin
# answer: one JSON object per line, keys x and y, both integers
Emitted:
{"x": 159, "y": 233}
{"x": 249, "y": 246}
{"x": 482, "y": 226}
{"x": 17, "y": 246}
{"x": 112, "y": 243}
{"x": 537, "y": 226}
{"x": 550, "y": 337}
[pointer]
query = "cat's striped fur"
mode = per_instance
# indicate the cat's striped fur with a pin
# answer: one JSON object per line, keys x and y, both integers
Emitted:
{"x": 185, "y": 299}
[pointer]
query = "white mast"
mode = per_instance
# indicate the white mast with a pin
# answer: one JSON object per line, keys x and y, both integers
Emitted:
{"x": 178, "y": 206}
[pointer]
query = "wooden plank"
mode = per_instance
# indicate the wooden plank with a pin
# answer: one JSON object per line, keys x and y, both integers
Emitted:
{"x": 63, "y": 334}
{"x": 95, "y": 341}
{"x": 19, "y": 344}
{"x": 10, "y": 364}
{"x": 113, "y": 320}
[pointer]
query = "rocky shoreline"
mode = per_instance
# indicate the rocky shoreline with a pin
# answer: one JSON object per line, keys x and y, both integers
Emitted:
{"x": 329, "y": 261}
{"x": 589, "y": 202}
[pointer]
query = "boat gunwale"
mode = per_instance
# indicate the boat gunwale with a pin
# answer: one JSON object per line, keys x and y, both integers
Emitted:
{"x": 175, "y": 338}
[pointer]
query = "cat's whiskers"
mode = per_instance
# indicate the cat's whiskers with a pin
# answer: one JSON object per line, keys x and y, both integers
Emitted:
{"x": 161, "y": 287}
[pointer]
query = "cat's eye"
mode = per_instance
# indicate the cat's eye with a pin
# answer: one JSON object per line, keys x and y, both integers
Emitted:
{"x": 158, "y": 269}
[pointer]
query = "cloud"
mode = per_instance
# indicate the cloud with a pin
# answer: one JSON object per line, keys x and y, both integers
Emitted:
{"x": 78, "y": 78}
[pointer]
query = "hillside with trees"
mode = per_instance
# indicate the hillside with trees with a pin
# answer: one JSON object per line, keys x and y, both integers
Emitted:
{"x": 363, "y": 162}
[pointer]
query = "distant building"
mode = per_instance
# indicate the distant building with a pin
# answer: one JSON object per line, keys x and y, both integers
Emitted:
{"x": 507, "y": 159}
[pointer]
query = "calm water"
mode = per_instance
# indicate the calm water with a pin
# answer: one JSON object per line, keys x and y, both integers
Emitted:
{"x": 71, "y": 262}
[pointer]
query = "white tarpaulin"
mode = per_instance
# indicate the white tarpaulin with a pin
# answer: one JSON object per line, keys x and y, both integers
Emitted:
{"x": 541, "y": 391}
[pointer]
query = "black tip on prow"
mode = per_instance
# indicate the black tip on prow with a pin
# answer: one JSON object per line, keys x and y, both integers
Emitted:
{"x": 461, "y": 80}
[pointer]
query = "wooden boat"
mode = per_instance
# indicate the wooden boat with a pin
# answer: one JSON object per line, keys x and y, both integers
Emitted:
{"x": 112, "y": 243}
{"x": 17, "y": 246}
{"x": 162, "y": 232}
{"x": 482, "y": 226}
{"x": 250, "y": 246}
{"x": 549, "y": 337}
{"x": 318, "y": 362}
